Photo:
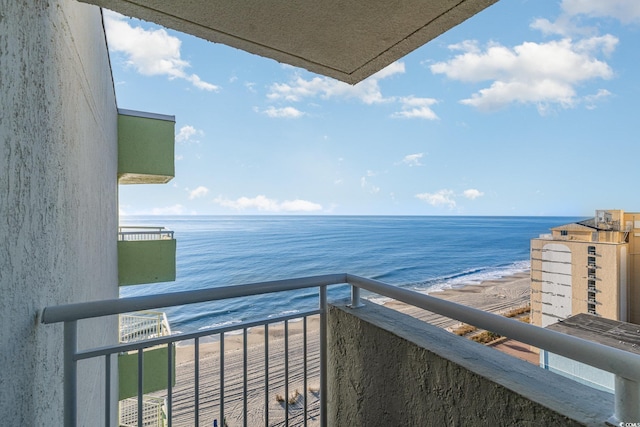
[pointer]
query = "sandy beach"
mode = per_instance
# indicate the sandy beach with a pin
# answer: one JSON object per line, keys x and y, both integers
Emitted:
{"x": 496, "y": 296}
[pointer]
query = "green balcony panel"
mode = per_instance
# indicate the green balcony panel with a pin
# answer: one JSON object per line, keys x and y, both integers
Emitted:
{"x": 145, "y": 147}
{"x": 154, "y": 370}
{"x": 146, "y": 261}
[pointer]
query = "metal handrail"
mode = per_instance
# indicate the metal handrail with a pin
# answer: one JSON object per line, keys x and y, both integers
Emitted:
{"x": 625, "y": 365}
{"x": 143, "y": 324}
{"x": 143, "y": 233}
{"x": 87, "y": 310}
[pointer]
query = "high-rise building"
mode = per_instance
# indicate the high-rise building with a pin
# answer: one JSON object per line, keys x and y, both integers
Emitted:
{"x": 589, "y": 266}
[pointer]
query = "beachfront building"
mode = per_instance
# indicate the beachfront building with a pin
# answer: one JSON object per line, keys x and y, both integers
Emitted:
{"x": 589, "y": 266}
{"x": 613, "y": 333}
{"x": 59, "y": 167}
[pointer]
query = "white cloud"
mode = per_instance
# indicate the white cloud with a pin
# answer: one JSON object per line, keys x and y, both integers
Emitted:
{"x": 186, "y": 133}
{"x": 200, "y": 84}
{"x": 416, "y": 108}
{"x": 413, "y": 159}
{"x": 262, "y": 203}
{"x": 543, "y": 74}
{"x": 592, "y": 100}
{"x": 286, "y": 112}
{"x": 367, "y": 185}
{"x": 367, "y": 91}
{"x": 440, "y": 198}
{"x": 201, "y": 191}
{"x": 563, "y": 26}
{"x": 472, "y": 193}
{"x": 626, "y": 11}
{"x": 149, "y": 52}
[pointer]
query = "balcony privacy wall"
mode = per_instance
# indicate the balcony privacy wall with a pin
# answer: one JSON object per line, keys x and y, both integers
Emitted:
{"x": 386, "y": 368}
{"x": 145, "y": 147}
{"x": 154, "y": 371}
{"x": 146, "y": 261}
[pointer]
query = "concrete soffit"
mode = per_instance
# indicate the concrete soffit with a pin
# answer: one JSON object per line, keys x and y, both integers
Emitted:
{"x": 346, "y": 40}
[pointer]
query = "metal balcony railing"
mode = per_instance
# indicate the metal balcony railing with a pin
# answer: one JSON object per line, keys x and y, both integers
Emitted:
{"x": 143, "y": 325}
{"x": 153, "y": 414}
{"x": 625, "y": 365}
{"x": 143, "y": 233}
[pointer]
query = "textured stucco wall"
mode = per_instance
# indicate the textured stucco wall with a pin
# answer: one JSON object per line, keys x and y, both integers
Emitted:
{"x": 386, "y": 368}
{"x": 58, "y": 199}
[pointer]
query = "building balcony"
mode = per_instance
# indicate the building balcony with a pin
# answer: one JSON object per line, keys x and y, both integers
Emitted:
{"x": 145, "y": 147}
{"x": 137, "y": 327}
{"x": 146, "y": 255}
{"x": 371, "y": 366}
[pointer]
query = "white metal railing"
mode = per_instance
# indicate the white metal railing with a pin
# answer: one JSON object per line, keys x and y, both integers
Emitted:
{"x": 153, "y": 414}
{"x": 143, "y": 233}
{"x": 143, "y": 325}
{"x": 625, "y": 365}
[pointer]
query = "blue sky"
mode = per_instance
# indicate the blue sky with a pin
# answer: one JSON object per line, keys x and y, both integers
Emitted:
{"x": 528, "y": 108}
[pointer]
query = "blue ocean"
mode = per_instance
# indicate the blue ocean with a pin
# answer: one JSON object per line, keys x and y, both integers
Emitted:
{"x": 425, "y": 253}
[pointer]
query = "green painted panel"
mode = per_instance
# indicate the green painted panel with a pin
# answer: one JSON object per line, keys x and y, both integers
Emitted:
{"x": 146, "y": 261}
{"x": 154, "y": 371}
{"x": 145, "y": 148}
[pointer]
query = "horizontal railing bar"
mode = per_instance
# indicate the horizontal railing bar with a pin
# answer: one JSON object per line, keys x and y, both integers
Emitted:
{"x": 152, "y": 342}
{"x": 120, "y": 227}
{"x": 87, "y": 310}
{"x": 146, "y": 231}
{"x": 610, "y": 359}
{"x": 129, "y": 233}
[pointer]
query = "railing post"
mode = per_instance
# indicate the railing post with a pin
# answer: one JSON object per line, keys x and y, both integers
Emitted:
{"x": 323, "y": 356}
{"x": 355, "y": 297}
{"x": 626, "y": 401}
{"x": 70, "y": 373}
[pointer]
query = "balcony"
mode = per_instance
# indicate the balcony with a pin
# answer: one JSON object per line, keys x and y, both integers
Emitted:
{"x": 374, "y": 366}
{"x": 146, "y": 255}
{"x": 137, "y": 327}
{"x": 145, "y": 147}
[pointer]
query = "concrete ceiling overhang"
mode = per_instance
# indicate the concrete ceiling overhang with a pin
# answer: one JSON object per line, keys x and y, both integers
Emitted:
{"x": 343, "y": 39}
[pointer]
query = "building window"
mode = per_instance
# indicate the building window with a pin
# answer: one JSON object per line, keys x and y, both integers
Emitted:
{"x": 564, "y": 233}
{"x": 591, "y": 273}
{"x": 591, "y": 308}
{"x": 591, "y": 261}
{"x": 591, "y": 250}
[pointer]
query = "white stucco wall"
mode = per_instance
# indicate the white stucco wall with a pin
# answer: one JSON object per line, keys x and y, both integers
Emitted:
{"x": 58, "y": 198}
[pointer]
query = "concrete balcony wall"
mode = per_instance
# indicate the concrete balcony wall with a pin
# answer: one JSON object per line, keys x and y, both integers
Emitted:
{"x": 386, "y": 368}
{"x": 145, "y": 147}
{"x": 146, "y": 261}
{"x": 154, "y": 371}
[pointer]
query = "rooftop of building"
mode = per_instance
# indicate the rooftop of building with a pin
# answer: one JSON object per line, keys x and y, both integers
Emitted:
{"x": 613, "y": 333}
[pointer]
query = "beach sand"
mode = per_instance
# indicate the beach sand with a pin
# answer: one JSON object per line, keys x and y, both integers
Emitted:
{"x": 496, "y": 296}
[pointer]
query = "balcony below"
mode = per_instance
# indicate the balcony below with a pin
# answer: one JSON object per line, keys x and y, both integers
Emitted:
{"x": 146, "y": 255}
{"x": 145, "y": 147}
